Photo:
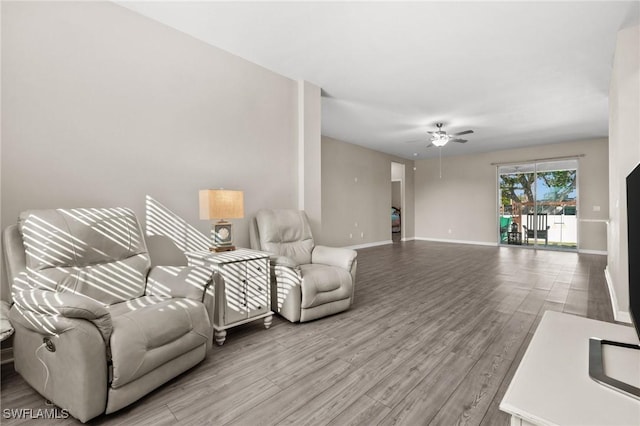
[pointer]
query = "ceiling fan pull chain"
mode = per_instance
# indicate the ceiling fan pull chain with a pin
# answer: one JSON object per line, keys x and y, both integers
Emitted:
{"x": 440, "y": 158}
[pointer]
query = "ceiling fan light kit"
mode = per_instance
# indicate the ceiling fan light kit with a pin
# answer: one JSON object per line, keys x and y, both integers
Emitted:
{"x": 440, "y": 138}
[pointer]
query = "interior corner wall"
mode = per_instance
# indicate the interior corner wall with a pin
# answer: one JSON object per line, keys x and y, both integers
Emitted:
{"x": 356, "y": 189}
{"x": 462, "y": 206}
{"x": 309, "y": 154}
{"x": 624, "y": 155}
{"x": 102, "y": 106}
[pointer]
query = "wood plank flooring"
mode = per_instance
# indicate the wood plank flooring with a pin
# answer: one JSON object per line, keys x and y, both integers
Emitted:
{"x": 434, "y": 337}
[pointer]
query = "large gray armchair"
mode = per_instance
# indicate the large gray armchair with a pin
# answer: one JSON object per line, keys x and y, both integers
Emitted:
{"x": 96, "y": 327}
{"x": 308, "y": 281}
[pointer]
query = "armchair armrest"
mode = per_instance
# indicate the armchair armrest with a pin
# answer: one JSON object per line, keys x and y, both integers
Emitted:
{"x": 6, "y": 329}
{"x": 340, "y": 257}
{"x": 44, "y": 309}
{"x": 76, "y": 375}
{"x": 282, "y": 261}
{"x": 191, "y": 282}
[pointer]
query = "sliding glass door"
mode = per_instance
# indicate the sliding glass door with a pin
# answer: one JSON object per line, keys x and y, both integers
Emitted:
{"x": 538, "y": 204}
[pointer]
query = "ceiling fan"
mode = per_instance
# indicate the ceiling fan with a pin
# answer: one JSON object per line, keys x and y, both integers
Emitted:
{"x": 440, "y": 138}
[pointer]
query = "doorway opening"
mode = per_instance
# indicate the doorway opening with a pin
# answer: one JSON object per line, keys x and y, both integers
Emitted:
{"x": 397, "y": 202}
{"x": 538, "y": 204}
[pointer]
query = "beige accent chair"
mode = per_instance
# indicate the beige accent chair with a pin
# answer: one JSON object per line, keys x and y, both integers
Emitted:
{"x": 96, "y": 327}
{"x": 308, "y": 281}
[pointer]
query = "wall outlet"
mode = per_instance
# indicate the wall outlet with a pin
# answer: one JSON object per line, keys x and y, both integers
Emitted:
{"x": 450, "y": 231}
{"x": 362, "y": 235}
{"x": 356, "y": 224}
{"x": 596, "y": 208}
{"x": 355, "y": 180}
{"x": 350, "y": 235}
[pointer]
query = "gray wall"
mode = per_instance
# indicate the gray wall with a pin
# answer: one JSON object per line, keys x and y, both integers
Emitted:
{"x": 366, "y": 201}
{"x": 465, "y": 201}
{"x": 624, "y": 155}
{"x": 101, "y": 107}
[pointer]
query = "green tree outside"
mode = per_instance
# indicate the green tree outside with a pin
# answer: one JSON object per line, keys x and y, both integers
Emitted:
{"x": 519, "y": 187}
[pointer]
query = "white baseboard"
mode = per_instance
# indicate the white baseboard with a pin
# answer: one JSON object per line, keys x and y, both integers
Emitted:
{"x": 407, "y": 239}
{"x": 366, "y": 245}
{"x": 600, "y": 252}
{"x": 618, "y": 315}
{"x": 486, "y": 243}
{"x": 6, "y": 355}
{"x": 442, "y": 240}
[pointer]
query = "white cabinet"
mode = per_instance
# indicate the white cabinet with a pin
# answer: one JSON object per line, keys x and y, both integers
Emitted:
{"x": 552, "y": 385}
{"x": 241, "y": 287}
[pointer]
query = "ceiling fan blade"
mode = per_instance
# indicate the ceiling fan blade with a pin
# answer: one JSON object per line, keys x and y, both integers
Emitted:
{"x": 430, "y": 145}
{"x": 458, "y": 140}
{"x": 414, "y": 141}
{"x": 466, "y": 132}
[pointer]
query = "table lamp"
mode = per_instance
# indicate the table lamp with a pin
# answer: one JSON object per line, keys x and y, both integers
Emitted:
{"x": 221, "y": 204}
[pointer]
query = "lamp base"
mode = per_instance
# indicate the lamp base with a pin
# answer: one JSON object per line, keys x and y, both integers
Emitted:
{"x": 219, "y": 249}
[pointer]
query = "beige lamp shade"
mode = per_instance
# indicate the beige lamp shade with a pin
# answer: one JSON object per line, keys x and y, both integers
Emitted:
{"x": 221, "y": 204}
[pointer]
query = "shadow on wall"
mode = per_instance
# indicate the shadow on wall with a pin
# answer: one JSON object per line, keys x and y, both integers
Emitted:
{"x": 163, "y": 222}
{"x": 169, "y": 236}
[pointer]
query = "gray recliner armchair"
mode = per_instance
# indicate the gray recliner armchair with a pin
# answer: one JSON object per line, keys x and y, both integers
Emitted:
{"x": 96, "y": 327}
{"x": 308, "y": 281}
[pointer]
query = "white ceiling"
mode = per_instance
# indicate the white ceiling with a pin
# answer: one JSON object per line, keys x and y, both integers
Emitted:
{"x": 517, "y": 73}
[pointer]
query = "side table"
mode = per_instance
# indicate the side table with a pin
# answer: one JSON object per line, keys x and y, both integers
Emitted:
{"x": 243, "y": 294}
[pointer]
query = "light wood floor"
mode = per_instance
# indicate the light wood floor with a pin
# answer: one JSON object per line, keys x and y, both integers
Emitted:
{"x": 434, "y": 337}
